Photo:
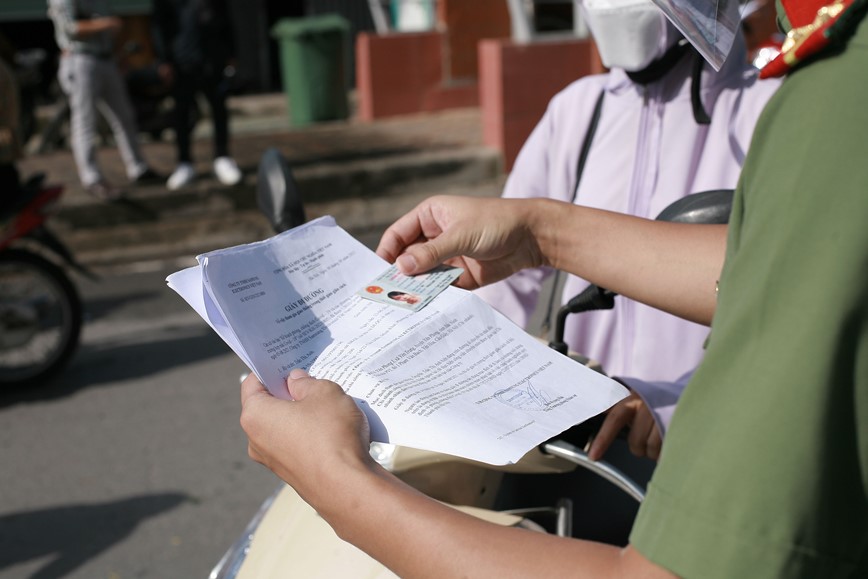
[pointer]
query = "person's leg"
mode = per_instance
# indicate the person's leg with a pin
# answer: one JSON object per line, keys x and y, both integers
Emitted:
{"x": 211, "y": 87}
{"x": 77, "y": 81}
{"x": 224, "y": 166}
{"x": 114, "y": 104}
{"x": 184, "y": 92}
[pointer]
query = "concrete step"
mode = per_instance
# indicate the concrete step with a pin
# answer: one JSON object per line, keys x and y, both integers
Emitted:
{"x": 319, "y": 182}
{"x": 364, "y": 171}
{"x": 231, "y": 218}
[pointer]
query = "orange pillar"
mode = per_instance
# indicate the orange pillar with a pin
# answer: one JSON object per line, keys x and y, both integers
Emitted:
{"x": 517, "y": 80}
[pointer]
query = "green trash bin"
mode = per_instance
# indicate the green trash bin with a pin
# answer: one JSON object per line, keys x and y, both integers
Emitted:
{"x": 313, "y": 55}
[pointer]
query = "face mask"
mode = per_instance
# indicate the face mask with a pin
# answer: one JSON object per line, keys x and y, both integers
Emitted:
{"x": 629, "y": 34}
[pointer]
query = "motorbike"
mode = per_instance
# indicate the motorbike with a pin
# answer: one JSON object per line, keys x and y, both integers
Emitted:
{"x": 554, "y": 488}
{"x": 40, "y": 308}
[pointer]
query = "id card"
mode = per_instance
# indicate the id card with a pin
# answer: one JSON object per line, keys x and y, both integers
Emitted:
{"x": 410, "y": 292}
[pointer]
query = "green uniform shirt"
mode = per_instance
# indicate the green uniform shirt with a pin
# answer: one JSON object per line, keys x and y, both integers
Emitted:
{"x": 764, "y": 471}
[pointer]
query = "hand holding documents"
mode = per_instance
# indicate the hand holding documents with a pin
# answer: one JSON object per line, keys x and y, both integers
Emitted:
{"x": 454, "y": 376}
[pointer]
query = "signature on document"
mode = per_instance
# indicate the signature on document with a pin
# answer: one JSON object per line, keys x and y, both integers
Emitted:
{"x": 528, "y": 397}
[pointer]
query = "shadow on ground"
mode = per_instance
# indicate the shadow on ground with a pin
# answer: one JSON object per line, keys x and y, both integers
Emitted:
{"x": 76, "y": 533}
{"x": 100, "y": 364}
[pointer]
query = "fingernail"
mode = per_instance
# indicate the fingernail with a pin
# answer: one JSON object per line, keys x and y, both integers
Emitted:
{"x": 297, "y": 373}
{"x": 406, "y": 263}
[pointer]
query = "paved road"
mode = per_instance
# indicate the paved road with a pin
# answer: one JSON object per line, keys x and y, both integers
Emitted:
{"x": 132, "y": 464}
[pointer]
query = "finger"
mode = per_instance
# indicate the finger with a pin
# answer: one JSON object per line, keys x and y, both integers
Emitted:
{"x": 298, "y": 384}
{"x": 295, "y": 375}
{"x": 408, "y": 264}
{"x": 254, "y": 454}
{"x": 400, "y": 235}
{"x": 419, "y": 241}
{"x": 637, "y": 440}
{"x": 256, "y": 407}
{"x": 301, "y": 386}
{"x": 421, "y": 257}
{"x": 251, "y": 386}
{"x": 655, "y": 443}
{"x": 640, "y": 431}
{"x": 619, "y": 417}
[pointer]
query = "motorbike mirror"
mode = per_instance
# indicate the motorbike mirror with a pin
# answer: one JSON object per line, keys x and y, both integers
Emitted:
{"x": 277, "y": 193}
{"x": 709, "y": 207}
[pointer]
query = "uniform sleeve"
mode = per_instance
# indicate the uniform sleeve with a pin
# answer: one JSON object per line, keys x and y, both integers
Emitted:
{"x": 746, "y": 107}
{"x": 764, "y": 467}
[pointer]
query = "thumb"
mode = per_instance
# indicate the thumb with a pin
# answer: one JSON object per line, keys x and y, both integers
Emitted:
{"x": 422, "y": 257}
{"x": 299, "y": 384}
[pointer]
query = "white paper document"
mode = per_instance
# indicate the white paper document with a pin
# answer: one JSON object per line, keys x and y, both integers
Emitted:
{"x": 454, "y": 377}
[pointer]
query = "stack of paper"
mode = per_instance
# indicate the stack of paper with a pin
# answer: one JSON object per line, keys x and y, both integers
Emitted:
{"x": 454, "y": 377}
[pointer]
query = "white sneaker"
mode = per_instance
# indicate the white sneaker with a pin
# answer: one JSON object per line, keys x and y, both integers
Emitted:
{"x": 183, "y": 176}
{"x": 227, "y": 171}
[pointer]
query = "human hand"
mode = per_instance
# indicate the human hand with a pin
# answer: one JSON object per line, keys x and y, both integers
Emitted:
{"x": 112, "y": 24}
{"x": 490, "y": 238}
{"x": 307, "y": 441}
{"x": 644, "y": 438}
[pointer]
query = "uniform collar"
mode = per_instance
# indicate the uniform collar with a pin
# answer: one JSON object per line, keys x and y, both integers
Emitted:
{"x": 812, "y": 26}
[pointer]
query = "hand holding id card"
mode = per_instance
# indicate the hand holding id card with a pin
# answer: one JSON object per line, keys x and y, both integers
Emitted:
{"x": 410, "y": 292}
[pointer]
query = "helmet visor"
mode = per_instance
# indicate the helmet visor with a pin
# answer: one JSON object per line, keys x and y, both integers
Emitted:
{"x": 709, "y": 25}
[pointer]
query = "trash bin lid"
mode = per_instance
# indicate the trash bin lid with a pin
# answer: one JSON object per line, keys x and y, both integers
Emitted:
{"x": 309, "y": 25}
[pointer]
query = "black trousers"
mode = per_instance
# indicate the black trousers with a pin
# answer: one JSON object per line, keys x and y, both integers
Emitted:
{"x": 187, "y": 85}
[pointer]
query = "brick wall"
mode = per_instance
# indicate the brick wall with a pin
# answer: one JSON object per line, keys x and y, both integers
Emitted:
{"x": 516, "y": 82}
{"x": 465, "y": 23}
{"x": 394, "y": 72}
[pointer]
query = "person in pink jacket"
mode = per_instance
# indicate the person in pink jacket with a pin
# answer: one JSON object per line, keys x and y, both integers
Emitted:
{"x": 660, "y": 125}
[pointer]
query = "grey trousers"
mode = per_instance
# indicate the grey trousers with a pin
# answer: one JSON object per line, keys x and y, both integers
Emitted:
{"x": 92, "y": 83}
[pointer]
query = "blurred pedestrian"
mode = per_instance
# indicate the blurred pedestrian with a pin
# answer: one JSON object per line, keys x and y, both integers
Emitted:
{"x": 85, "y": 31}
{"x": 195, "y": 45}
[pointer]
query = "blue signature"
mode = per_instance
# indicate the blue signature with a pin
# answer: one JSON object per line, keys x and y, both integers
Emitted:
{"x": 527, "y": 398}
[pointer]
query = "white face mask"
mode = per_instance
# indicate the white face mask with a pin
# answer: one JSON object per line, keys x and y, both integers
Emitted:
{"x": 629, "y": 34}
